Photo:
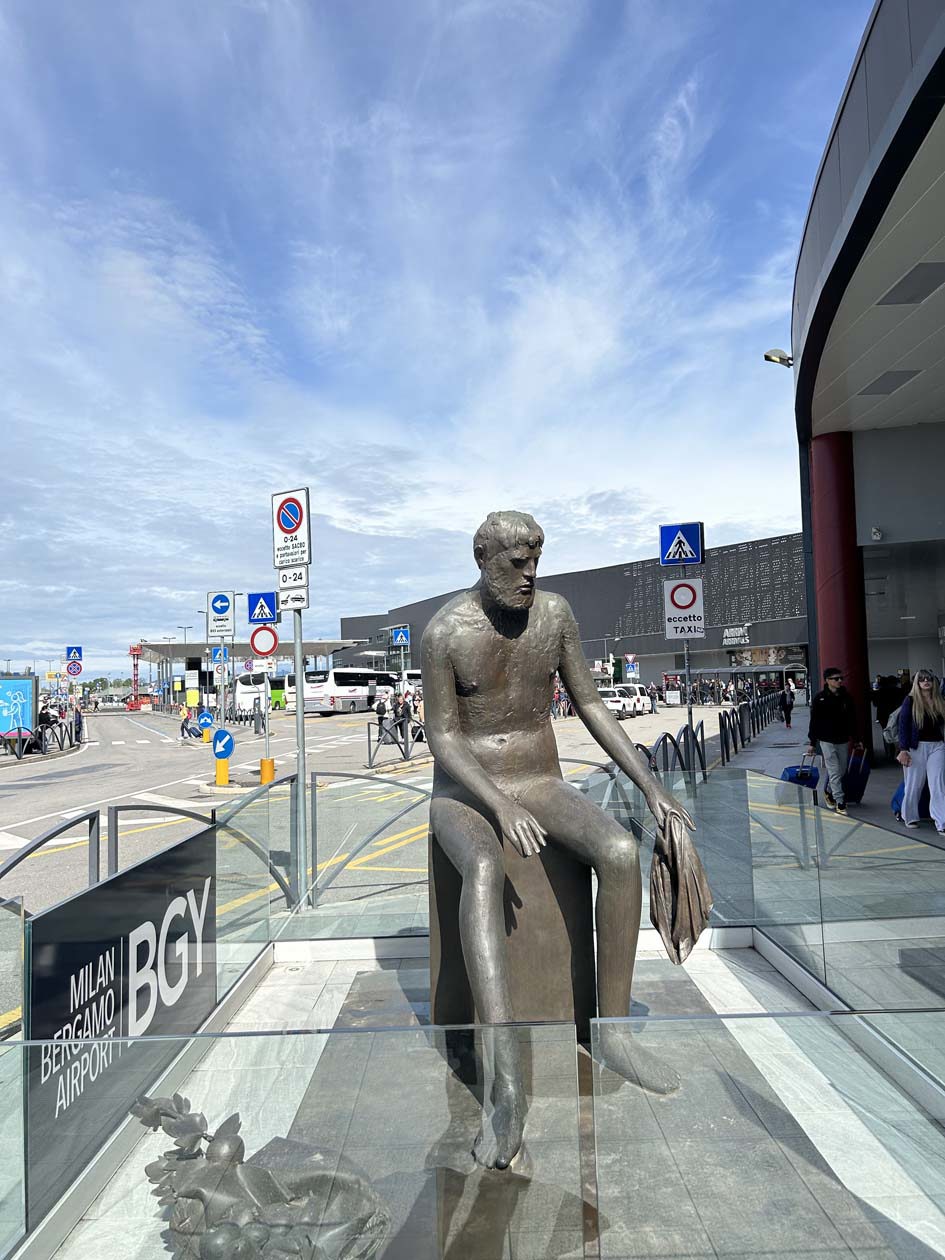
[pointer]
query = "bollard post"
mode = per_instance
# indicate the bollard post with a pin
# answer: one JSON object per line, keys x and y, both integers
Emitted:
{"x": 205, "y": 734}
{"x": 223, "y": 772}
{"x": 267, "y": 769}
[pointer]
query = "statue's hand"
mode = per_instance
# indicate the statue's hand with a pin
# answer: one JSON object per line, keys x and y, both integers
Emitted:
{"x": 662, "y": 803}
{"x": 521, "y": 829}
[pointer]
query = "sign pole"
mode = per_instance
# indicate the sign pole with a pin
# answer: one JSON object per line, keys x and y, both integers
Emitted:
{"x": 300, "y": 856}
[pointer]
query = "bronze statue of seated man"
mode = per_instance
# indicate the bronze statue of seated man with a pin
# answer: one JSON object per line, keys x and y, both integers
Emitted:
{"x": 489, "y": 661}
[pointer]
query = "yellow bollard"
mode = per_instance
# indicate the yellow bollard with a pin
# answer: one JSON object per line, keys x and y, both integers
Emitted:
{"x": 206, "y": 734}
{"x": 223, "y": 772}
{"x": 267, "y": 769}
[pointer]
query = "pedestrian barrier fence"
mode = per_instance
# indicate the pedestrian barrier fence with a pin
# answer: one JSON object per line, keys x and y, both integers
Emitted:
{"x": 403, "y": 735}
{"x": 57, "y": 737}
{"x": 738, "y": 726}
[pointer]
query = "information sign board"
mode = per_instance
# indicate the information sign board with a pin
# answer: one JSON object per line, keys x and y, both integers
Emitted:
{"x": 261, "y": 607}
{"x": 221, "y": 615}
{"x": 684, "y": 609}
{"x": 293, "y": 578}
{"x": 293, "y": 601}
{"x": 291, "y": 529}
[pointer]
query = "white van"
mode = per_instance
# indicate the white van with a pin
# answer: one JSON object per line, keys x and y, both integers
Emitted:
{"x": 637, "y": 697}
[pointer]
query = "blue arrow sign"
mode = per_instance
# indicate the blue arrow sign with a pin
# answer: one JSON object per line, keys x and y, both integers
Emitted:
{"x": 205, "y": 720}
{"x": 220, "y": 604}
{"x": 223, "y": 745}
{"x": 219, "y": 654}
{"x": 261, "y": 607}
{"x": 400, "y": 636}
{"x": 73, "y": 654}
{"x": 682, "y": 544}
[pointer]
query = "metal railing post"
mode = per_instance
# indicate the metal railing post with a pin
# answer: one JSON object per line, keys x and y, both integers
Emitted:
{"x": 112, "y": 840}
{"x": 94, "y": 848}
{"x": 313, "y": 846}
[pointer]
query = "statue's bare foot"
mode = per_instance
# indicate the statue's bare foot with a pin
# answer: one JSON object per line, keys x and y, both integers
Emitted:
{"x": 503, "y": 1126}
{"x": 620, "y": 1051}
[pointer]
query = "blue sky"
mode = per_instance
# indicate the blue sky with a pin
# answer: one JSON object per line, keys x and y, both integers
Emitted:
{"x": 429, "y": 259}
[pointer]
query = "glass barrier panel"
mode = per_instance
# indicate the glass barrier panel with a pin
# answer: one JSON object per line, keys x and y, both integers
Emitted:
{"x": 883, "y": 896}
{"x": 785, "y": 828}
{"x": 12, "y": 1166}
{"x": 371, "y": 846}
{"x": 345, "y": 1144}
{"x": 246, "y": 888}
{"x": 11, "y": 966}
{"x": 781, "y": 1135}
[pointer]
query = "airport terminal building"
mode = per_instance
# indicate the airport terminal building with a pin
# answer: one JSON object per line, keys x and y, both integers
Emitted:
{"x": 868, "y": 349}
{"x": 756, "y": 616}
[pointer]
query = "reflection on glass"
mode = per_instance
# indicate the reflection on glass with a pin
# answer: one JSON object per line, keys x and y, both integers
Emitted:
{"x": 365, "y": 1140}
{"x": 788, "y": 1135}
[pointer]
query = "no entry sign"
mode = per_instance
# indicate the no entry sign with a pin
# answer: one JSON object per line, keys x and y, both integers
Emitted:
{"x": 263, "y": 641}
{"x": 683, "y": 608}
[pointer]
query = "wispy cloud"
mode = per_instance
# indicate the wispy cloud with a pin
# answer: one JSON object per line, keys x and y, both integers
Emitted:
{"x": 427, "y": 259}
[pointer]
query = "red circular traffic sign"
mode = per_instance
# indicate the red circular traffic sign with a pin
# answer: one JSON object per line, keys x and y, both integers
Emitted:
{"x": 263, "y": 641}
{"x": 290, "y": 515}
{"x": 74, "y": 669}
{"x": 682, "y": 596}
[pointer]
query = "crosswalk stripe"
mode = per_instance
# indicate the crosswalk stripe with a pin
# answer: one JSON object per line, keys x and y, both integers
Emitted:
{"x": 118, "y": 741}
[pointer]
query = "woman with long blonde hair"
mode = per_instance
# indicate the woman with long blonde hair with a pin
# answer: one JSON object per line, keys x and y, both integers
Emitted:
{"x": 922, "y": 741}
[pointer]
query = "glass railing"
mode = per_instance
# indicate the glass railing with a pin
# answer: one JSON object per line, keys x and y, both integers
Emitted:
{"x": 12, "y": 1137}
{"x": 782, "y": 1135}
{"x": 315, "y": 1143}
{"x": 11, "y": 966}
{"x": 369, "y": 875}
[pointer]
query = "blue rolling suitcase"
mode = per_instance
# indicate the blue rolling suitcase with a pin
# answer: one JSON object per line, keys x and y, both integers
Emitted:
{"x": 856, "y": 778}
{"x": 803, "y": 775}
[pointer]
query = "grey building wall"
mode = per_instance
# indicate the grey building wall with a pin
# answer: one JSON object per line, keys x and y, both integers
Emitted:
{"x": 619, "y": 608}
{"x": 905, "y": 605}
{"x": 899, "y": 483}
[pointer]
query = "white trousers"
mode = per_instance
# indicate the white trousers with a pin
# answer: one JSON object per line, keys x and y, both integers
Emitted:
{"x": 928, "y": 764}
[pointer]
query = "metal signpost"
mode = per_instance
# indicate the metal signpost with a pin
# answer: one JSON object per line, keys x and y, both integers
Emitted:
{"x": 264, "y": 642}
{"x": 683, "y": 606}
{"x": 292, "y": 549}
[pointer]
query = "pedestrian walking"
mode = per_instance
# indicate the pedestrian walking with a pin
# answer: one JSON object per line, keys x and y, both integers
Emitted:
{"x": 380, "y": 709}
{"x": 184, "y": 715}
{"x": 786, "y": 705}
{"x": 653, "y": 694}
{"x": 78, "y": 721}
{"x": 922, "y": 755}
{"x": 832, "y": 727}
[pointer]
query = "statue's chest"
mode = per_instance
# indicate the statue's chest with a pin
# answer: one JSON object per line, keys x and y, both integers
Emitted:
{"x": 497, "y": 664}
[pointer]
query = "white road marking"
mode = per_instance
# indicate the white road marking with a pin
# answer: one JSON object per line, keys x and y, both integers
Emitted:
{"x": 118, "y": 741}
{"x": 142, "y": 741}
{"x": 9, "y": 841}
{"x": 135, "y": 722}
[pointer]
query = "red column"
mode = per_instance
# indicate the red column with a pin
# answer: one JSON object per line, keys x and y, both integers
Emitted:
{"x": 838, "y": 568}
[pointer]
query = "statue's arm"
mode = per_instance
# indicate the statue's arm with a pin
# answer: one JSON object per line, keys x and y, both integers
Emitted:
{"x": 604, "y": 726}
{"x": 451, "y": 749}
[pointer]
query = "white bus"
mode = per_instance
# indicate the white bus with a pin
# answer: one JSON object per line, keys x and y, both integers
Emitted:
{"x": 340, "y": 690}
{"x": 250, "y": 688}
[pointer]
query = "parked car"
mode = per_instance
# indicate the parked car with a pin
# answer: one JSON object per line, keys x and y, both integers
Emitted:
{"x": 637, "y": 695}
{"x": 621, "y": 705}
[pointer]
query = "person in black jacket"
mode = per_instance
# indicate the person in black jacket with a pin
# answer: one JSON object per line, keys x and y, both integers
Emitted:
{"x": 832, "y": 726}
{"x": 786, "y": 705}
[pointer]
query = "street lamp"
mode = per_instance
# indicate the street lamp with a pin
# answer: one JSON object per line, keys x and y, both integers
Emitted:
{"x": 779, "y": 356}
{"x": 185, "y": 629}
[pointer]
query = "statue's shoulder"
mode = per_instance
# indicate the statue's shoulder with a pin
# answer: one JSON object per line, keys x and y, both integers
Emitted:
{"x": 450, "y": 618}
{"x": 554, "y": 605}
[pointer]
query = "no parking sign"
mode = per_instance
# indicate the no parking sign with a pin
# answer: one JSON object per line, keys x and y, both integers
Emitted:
{"x": 684, "y": 609}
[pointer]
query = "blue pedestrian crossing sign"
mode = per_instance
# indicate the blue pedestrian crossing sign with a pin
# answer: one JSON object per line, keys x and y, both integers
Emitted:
{"x": 400, "y": 636}
{"x": 262, "y": 607}
{"x": 223, "y": 745}
{"x": 73, "y": 654}
{"x": 682, "y": 544}
{"x": 219, "y": 654}
{"x": 205, "y": 720}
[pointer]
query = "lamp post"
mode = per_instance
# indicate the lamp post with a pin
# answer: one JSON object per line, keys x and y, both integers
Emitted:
{"x": 169, "y": 669}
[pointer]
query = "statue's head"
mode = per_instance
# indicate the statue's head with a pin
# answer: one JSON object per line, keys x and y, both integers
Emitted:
{"x": 507, "y": 547}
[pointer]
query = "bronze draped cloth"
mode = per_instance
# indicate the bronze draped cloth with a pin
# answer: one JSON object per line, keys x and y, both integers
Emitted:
{"x": 680, "y": 897}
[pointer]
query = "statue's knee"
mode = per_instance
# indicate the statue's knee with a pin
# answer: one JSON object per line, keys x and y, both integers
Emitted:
{"x": 621, "y": 853}
{"x": 485, "y": 871}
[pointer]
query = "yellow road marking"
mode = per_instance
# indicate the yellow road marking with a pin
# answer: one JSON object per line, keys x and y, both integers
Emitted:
{"x": 410, "y": 870}
{"x": 10, "y": 1017}
{"x": 411, "y": 831}
{"x": 368, "y": 857}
